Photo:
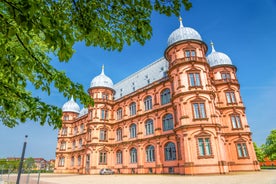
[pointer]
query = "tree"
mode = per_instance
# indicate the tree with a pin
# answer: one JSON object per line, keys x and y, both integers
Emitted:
{"x": 259, "y": 152}
{"x": 32, "y": 29}
{"x": 270, "y": 145}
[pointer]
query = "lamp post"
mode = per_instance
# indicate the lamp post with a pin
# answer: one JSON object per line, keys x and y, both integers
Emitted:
{"x": 21, "y": 160}
{"x": 40, "y": 167}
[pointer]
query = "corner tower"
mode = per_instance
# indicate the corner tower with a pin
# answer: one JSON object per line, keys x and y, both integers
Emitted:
{"x": 197, "y": 125}
{"x": 235, "y": 129}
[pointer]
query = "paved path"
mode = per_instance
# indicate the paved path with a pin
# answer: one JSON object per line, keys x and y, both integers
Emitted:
{"x": 262, "y": 177}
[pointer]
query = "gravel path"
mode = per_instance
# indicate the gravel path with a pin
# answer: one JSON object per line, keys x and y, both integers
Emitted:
{"x": 261, "y": 177}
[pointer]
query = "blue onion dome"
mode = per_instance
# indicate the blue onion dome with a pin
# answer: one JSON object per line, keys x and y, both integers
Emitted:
{"x": 71, "y": 106}
{"x": 101, "y": 81}
{"x": 83, "y": 112}
{"x": 183, "y": 33}
{"x": 218, "y": 58}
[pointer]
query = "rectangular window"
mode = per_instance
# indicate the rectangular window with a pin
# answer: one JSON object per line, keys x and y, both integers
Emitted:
{"x": 104, "y": 114}
{"x": 102, "y": 159}
{"x": 80, "y": 143}
{"x": 225, "y": 76}
{"x": 79, "y": 160}
{"x": 230, "y": 97}
{"x": 64, "y": 131}
{"x": 194, "y": 79}
{"x": 119, "y": 157}
{"x": 236, "y": 121}
{"x": 204, "y": 147}
{"x": 119, "y": 114}
{"x": 190, "y": 53}
{"x": 75, "y": 130}
{"x": 61, "y": 162}
{"x": 63, "y": 146}
{"x": 103, "y": 135}
{"x": 199, "y": 110}
{"x": 74, "y": 145}
{"x": 105, "y": 96}
{"x": 119, "y": 134}
{"x": 72, "y": 161}
{"x": 81, "y": 128}
{"x": 242, "y": 150}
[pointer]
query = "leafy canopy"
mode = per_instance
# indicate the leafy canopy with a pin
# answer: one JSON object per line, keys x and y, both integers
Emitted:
{"x": 32, "y": 29}
{"x": 270, "y": 145}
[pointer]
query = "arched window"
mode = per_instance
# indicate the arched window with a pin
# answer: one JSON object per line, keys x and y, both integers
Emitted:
{"x": 149, "y": 127}
{"x": 119, "y": 134}
{"x": 61, "y": 162}
{"x": 170, "y": 152}
{"x": 132, "y": 109}
{"x": 132, "y": 130}
{"x": 133, "y": 155}
{"x": 165, "y": 96}
{"x": 150, "y": 153}
{"x": 167, "y": 122}
{"x": 148, "y": 103}
{"x": 119, "y": 157}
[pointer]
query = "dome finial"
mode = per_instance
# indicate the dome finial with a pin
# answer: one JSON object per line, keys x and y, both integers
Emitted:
{"x": 213, "y": 48}
{"x": 102, "y": 70}
{"x": 72, "y": 98}
{"x": 180, "y": 21}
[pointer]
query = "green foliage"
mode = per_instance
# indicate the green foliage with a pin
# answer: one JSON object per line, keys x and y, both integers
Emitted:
{"x": 32, "y": 29}
{"x": 270, "y": 145}
{"x": 11, "y": 165}
{"x": 259, "y": 152}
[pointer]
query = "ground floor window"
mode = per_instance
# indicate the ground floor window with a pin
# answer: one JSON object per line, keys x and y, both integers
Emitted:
{"x": 61, "y": 162}
{"x": 133, "y": 155}
{"x": 204, "y": 147}
{"x": 102, "y": 159}
{"x": 242, "y": 150}
{"x": 170, "y": 152}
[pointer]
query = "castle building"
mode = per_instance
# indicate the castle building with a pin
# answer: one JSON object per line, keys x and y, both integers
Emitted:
{"x": 181, "y": 114}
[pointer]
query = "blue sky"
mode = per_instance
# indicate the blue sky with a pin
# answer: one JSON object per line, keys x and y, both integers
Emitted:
{"x": 244, "y": 30}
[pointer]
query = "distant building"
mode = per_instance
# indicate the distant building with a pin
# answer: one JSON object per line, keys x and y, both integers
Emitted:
{"x": 181, "y": 114}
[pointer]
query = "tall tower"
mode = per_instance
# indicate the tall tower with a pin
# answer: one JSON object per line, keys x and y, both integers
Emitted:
{"x": 70, "y": 111}
{"x": 197, "y": 126}
{"x": 235, "y": 129}
{"x": 99, "y": 122}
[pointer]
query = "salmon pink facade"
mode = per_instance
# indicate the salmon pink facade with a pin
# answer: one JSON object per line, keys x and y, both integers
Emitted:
{"x": 181, "y": 114}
